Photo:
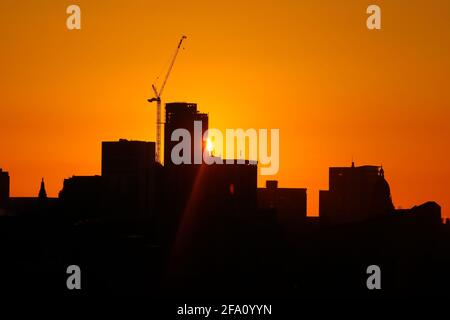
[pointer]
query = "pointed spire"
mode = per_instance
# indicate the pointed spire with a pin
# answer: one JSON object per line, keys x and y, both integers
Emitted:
{"x": 42, "y": 191}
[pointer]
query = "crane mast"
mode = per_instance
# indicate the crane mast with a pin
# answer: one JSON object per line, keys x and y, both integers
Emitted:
{"x": 157, "y": 99}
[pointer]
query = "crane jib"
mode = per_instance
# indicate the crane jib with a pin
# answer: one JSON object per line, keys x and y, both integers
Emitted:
{"x": 157, "y": 98}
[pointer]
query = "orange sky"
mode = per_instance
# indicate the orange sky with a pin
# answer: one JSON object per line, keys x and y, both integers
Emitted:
{"x": 310, "y": 68}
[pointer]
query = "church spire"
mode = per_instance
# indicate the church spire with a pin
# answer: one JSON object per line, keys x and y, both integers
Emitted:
{"x": 42, "y": 192}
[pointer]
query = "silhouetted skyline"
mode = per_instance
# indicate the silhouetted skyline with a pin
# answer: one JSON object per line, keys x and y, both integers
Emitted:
{"x": 186, "y": 230}
{"x": 133, "y": 181}
{"x": 334, "y": 88}
{"x": 361, "y": 118}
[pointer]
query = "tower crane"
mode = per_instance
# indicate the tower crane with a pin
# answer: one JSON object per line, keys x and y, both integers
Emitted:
{"x": 157, "y": 99}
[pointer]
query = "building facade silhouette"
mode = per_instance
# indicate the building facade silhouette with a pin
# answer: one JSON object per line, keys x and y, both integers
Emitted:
{"x": 182, "y": 115}
{"x": 215, "y": 194}
{"x": 127, "y": 186}
{"x": 289, "y": 203}
{"x": 129, "y": 175}
{"x": 82, "y": 195}
{"x": 355, "y": 194}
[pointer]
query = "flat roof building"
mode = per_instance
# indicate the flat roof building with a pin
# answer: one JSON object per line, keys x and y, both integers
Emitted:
{"x": 289, "y": 205}
{"x": 128, "y": 172}
{"x": 183, "y": 115}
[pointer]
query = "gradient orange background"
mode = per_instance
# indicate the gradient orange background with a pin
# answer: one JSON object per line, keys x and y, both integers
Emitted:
{"x": 311, "y": 68}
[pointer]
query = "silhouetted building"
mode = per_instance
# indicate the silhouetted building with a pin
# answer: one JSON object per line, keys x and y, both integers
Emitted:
{"x": 125, "y": 188}
{"x": 39, "y": 206}
{"x": 128, "y": 169}
{"x": 288, "y": 207}
{"x": 355, "y": 194}
{"x": 428, "y": 213}
{"x": 182, "y": 115}
{"x": 181, "y": 181}
{"x": 4, "y": 188}
{"x": 289, "y": 203}
{"x": 82, "y": 195}
{"x": 230, "y": 187}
